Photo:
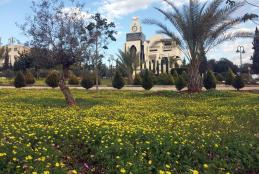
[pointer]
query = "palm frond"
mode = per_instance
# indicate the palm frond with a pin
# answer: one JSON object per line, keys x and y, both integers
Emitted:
{"x": 231, "y": 36}
{"x": 164, "y": 30}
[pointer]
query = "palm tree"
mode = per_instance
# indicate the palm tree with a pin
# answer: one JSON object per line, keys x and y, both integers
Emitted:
{"x": 128, "y": 63}
{"x": 200, "y": 27}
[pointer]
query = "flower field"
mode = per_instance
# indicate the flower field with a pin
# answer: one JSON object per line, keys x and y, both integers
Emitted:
{"x": 129, "y": 132}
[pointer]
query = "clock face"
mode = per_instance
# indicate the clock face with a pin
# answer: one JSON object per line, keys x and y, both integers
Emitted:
{"x": 134, "y": 28}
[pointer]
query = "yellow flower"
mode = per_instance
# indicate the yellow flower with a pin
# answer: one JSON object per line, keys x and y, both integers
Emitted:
{"x": 150, "y": 162}
{"x": 62, "y": 164}
{"x": 205, "y": 166}
{"x": 29, "y": 157}
{"x": 2, "y": 154}
{"x": 14, "y": 159}
{"x": 42, "y": 158}
{"x": 228, "y": 173}
{"x": 168, "y": 166}
{"x": 195, "y": 172}
{"x": 129, "y": 163}
{"x": 168, "y": 172}
{"x": 161, "y": 172}
{"x": 46, "y": 172}
{"x": 34, "y": 172}
{"x": 57, "y": 164}
{"x": 74, "y": 172}
{"x": 122, "y": 170}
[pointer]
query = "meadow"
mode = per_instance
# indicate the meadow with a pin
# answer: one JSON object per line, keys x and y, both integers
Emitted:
{"x": 129, "y": 132}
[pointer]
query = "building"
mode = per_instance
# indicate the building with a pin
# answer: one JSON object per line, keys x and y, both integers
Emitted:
{"x": 158, "y": 54}
{"x": 14, "y": 50}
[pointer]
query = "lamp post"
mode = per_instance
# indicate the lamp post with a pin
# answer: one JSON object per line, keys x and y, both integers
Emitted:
{"x": 249, "y": 73}
{"x": 241, "y": 50}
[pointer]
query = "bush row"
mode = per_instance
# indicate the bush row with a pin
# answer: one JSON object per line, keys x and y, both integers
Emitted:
{"x": 146, "y": 79}
{"x": 23, "y": 79}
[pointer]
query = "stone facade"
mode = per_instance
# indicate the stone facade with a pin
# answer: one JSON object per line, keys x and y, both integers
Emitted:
{"x": 158, "y": 54}
{"x": 13, "y": 51}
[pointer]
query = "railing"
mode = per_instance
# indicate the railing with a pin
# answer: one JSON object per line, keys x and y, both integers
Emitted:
{"x": 154, "y": 47}
{"x": 168, "y": 47}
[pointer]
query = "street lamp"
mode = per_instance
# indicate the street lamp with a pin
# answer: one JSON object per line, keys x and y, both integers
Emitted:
{"x": 241, "y": 50}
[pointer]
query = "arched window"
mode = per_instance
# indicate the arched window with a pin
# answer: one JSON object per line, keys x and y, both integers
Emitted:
{"x": 133, "y": 51}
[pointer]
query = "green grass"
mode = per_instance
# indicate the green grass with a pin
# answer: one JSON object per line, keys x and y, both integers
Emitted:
{"x": 129, "y": 132}
{"x": 6, "y": 81}
{"x": 106, "y": 82}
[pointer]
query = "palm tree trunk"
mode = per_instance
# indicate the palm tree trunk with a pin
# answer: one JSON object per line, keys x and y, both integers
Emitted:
{"x": 195, "y": 80}
{"x": 64, "y": 88}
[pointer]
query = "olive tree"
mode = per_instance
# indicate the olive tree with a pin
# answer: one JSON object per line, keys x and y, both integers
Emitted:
{"x": 63, "y": 31}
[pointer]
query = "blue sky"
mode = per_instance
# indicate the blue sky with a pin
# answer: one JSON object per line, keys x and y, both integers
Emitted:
{"x": 122, "y": 12}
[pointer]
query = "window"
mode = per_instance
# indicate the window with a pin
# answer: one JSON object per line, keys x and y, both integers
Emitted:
{"x": 15, "y": 49}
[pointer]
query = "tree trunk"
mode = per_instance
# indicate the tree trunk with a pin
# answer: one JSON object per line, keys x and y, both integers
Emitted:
{"x": 130, "y": 79}
{"x": 96, "y": 65}
{"x": 195, "y": 80}
{"x": 65, "y": 90}
{"x": 97, "y": 79}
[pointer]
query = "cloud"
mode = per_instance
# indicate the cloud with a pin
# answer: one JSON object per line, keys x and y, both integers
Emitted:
{"x": 76, "y": 12}
{"x": 120, "y": 8}
{"x": 228, "y": 50}
{"x": 177, "y": 3}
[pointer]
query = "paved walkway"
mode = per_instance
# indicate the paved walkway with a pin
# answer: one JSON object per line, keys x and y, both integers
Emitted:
{"x": 137, "y": 88}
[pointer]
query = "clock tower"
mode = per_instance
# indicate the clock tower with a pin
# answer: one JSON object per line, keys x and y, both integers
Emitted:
{"x": 135, "y": 26}
{"x": 135, "y": 40}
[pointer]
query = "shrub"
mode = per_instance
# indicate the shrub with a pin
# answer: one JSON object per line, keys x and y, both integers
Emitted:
{"x": 179, "y": 70}
{"x": 29, "y": 78}
{"x": 175, "y": 74}
{"x": 219, "y": 77}
{"x": 73, "y": 80}
{"x": 185, "y": 76}
{"x": 147, "y": 80}
{"x": 87, "y": 81}
{"x": 43, "y": 73}
{"x": 238, "y": 82}
{"x": 209, "y": 80}
{"x": 230, "y": 76}
{"x": 246, "y": 77}
{"x": 164, "y": 79}
{"x": 19, "y": 80}
{"x": 52, "y": 79}
{"x": 137, "y": 80}
{"x": 180, "y": 83}
{"x": 118, "y": 81}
